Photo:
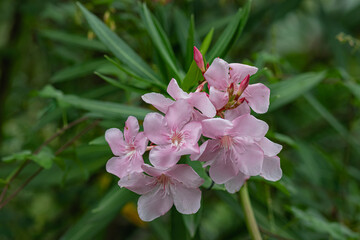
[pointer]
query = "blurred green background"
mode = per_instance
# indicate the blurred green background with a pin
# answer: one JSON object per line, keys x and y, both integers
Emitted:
{"x": 307, "y": 52}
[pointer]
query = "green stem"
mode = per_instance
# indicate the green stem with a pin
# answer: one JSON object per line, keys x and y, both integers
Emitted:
{"x": 249, "y": 214}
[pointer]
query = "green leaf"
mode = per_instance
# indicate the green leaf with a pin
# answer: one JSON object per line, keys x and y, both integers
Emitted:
{"x": 290, "y": 89}
{"x": 318, "y": 223}
{"x": 354, "y": 88}
{"x": 121, "y": 85}
{"x": 77, "y": 71}
{"x": 194, "y": 74}
{"x": 100, "y": 108}
{"x": 44, "y": 158}
{"x": 160, "y": 40}
{"x": 192, "y": 222}
{"x": 190, "y": 43}
{"x": 20, "y": 156}
{"x": 96, "y": 219}
{"x": 72, "y": 39}
{"x": 231, "y": 34}
{"x": 98, "y": 141}
{"x": 118, "y": 47}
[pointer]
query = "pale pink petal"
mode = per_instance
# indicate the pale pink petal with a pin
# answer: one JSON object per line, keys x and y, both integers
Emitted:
{"x": 141, "y": 142}
{"x": 188, "y": 149}
{"x": 175, "y": 91}
{"x": 137, "y": 182}
{"x": 217, "y": 74}
{"x": 154, "y": 204}
{"x": 270, "y": 148}
{"x": 216, "y": 127}
{"x": 218, "y": 98}
{"x": 178, "y": 114}
{"x": 164, "y": 156}
{"x": 258, "y": 96}
{"x": 192, "y": 132}
{"x": 234, "y": 184}
{"x": 196, "y": 156}
{"x": 200, "y": 101}
{"x": 211, "y": 152}
{"x": 249, "y": 157}
{"x": 239, "y": 71}
{"x": 271, "y": 169}
{"x": 152, "y": 171}
{"x": 114, "y": 138}
{"x": 131, "y": 129}
{"x": 248, "y": 126}
{"x": 240, "y": 110}
{"x": 118, "y": 166}
{"x": 158, "y": 101}
{"x": 186, "y": 175}
{"x": 186, "y": 200}
{"x": 155, "y": 129}
{"x": 223, "y": 169}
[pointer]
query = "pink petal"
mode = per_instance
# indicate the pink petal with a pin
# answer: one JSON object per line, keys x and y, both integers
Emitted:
{"x": 155, "y": 129}
{"x": 218, "y": 98}
{"x": 115, "y": 139}
{"x": 239, "y": 71}
{"x": 216, "y": 127}
{"x": 141, "y": 142}
{"x": 152, "y": 171}
{"x": 118, "y": 166}
{"x": 217, "y": 74}
{"x": 196, "y": 156}
{"x": 131, "y": 129}
{"x": 258, "y": 96}
{"x": 240, "y": 110}
{"x": 234, "y": 184}
{"x": 178, "y": 114}
{"x": 137, "y": 182}
{"x": 200, "y": 101}
{"x": 186, "y": 175}
{"x": 175, "y": 91}
{"x": 211, "y": 152}
{"x": 271, "y": 169}
{"x": 186, "y": 200}
{"x": 158, "y": 101}
{"x": 223, "y": 169}
{"x": 248, "y": 126}
{"x": 249, "y": 157}
{"x": 192, "y": 132}
{"x": 270, "y": 148}
{"x": 154, "y": 204}
{"x": 164, "y": 156}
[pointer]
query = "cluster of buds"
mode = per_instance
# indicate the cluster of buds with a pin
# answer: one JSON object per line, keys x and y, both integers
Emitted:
{"x": 235, "y": 147}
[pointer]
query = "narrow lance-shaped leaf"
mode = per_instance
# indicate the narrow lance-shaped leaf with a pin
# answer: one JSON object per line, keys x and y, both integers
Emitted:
{"x": 118, "y": 47}
{"x": 190, "y": 43}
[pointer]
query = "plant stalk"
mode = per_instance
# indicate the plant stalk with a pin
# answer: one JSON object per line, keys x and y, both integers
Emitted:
{"x": 249, "y": 214}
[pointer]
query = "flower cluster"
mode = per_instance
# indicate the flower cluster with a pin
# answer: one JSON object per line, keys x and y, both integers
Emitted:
{"x": 235, "y": 147}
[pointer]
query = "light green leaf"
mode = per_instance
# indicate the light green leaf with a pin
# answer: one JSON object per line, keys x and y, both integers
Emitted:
{"x": 231, "y": 34}
{"x": 44, "y": 158}
{"x": 72, "y": 39}
{"x": 121, "y": 85}
{"x": 160, "y": 40}
{"x": 118, "y": 47}
{"x": 194, "y": 74}
{"x": 96, "y": 219}
{"x": 98, "y": 141}
{"x": 20, "y": 156}
{"x": 100, "y": 108}
{"x": 290, "y": 89}
{"x": 78, "y": 70}
{"x": 354, "y": 88}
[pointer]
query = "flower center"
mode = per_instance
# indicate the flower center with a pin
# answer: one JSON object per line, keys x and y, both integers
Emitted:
{"x": 165, "y": 182}
{"x": 226, "y": 142}
{"x": 177, "y": 139}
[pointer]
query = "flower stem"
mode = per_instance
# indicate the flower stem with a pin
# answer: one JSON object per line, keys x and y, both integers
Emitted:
{"x": 249, "y": 214}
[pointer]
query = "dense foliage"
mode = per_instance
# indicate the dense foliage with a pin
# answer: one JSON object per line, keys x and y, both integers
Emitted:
{"x": 54, "y": 112}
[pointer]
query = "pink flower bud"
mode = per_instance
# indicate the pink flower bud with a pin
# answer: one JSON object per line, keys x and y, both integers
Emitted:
{"x": 199, "y": 59}
{"x": 244, "y": 84}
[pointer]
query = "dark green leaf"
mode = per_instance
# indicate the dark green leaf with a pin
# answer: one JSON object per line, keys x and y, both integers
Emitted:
{"x": 121, "y": 85}
{"x": 44, "y": 158}
{"x": 20, "y": 156}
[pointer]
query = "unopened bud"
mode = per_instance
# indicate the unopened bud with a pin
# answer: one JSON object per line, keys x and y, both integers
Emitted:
{"x": 243, "y": 85}
{"x": 199, "y": 59}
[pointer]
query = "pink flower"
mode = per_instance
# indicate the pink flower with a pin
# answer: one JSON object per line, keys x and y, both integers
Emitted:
{"x": 224, "y": 78}
{"x": 198, "y": 58}
{"x": 173, "y": 134}
{"x": 270, "y": 169}
{"x": 160, "y": 189}
{"x": 128, "y": 153}
{"x": 233, "y": 147}
{"x": 199, "y": 100}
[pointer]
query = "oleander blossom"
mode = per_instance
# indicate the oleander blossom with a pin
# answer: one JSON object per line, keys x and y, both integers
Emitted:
{"x": 160, "y": 189}
{"x": 128, "y": 152}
